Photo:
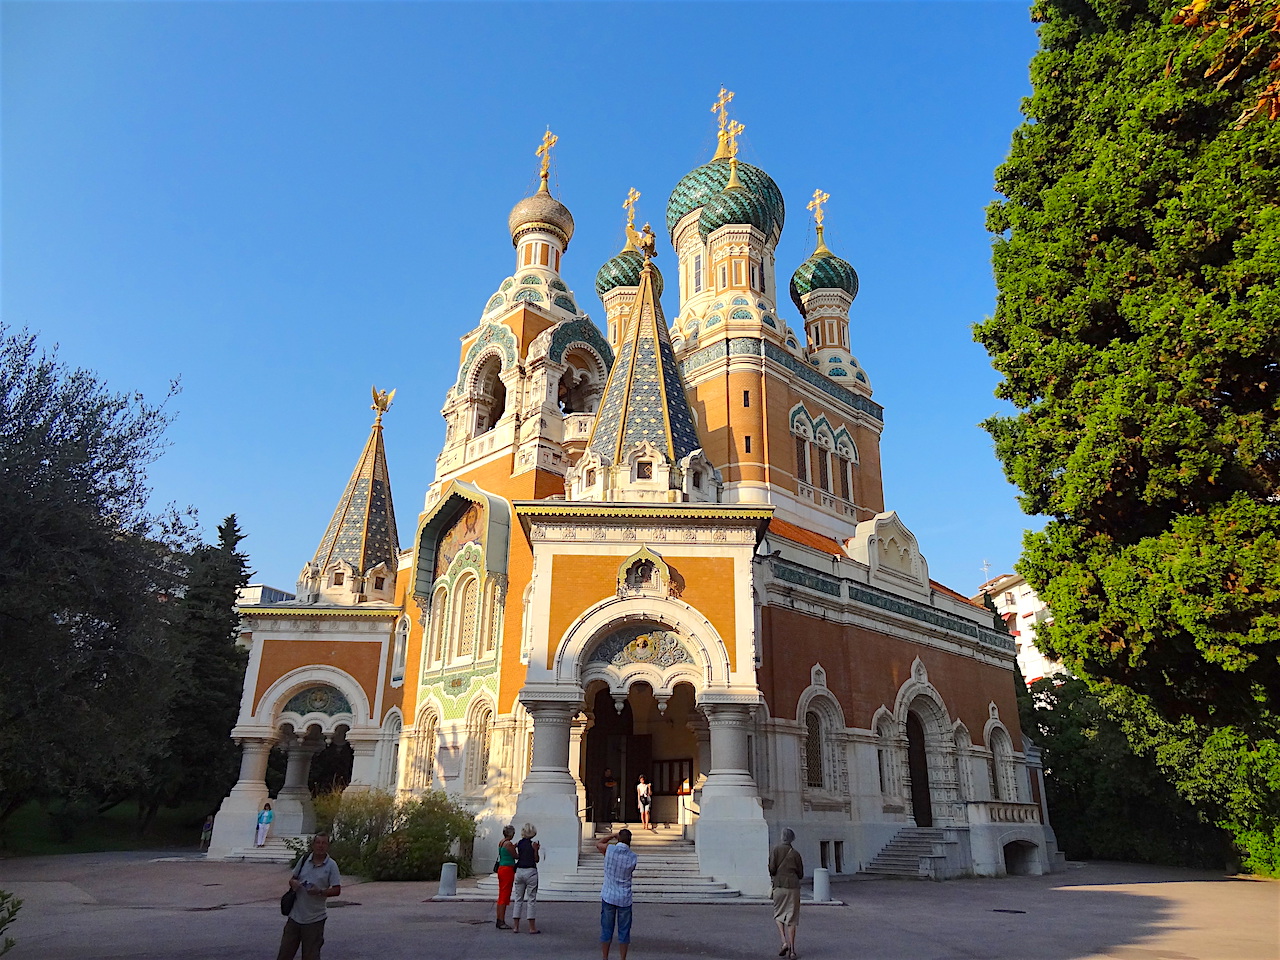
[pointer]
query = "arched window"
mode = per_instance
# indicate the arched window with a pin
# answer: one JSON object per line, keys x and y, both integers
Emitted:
{"x": 490, "y": 395}
{"x": 814, "y": 768}
{"x": 479, "y": 738}
{"x": 391, "y": 752}
{"x": 467, "y": 615}
{"x": 400, "y": 651}
{"x": 439, "y": 625}
{"x": 1002, "y": 780}
{"x": 423, "y": 762}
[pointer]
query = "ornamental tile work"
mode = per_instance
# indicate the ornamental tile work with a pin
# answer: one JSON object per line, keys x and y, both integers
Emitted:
{"x": 456, "y": 689}
{"x": 494, "y": 303}
{"x": 362, "y": 531}
{"x": 658, "y": 647}
{"x": 530, "y": 294}
{"x": 564, "y": 303}
{"x": 750, "y": 346}
{"x": 702, "y": 183}
{"x": 319, "y": 699}
{"x": 644, "y": 398}
{"x": 493, "y": 333}
{"x": 531, "y": 279}
{"x": 580, "y": 330}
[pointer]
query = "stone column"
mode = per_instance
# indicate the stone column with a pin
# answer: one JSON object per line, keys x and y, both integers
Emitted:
{"x": 732, "y": 836}
{"x": 549, "y": 797}
{"x": 364, "y": 766}
{"x": 294, "y": 811}
{"x": 582, "y": 722}
{"x": 701, "y": 731}
{"x": 237, "y": 817}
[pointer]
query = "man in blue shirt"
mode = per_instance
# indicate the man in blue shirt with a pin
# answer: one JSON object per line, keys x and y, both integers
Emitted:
{"x": 615, "y": 892}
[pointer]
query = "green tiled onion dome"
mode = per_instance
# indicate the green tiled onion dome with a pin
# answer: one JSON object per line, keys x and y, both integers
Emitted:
{"x": 738, "y": 206}
{"x": 624, "y": 271}
{"x": 702, "y": 183}
{"x": 823, "y": 271}
{"x": 541, "y": 212}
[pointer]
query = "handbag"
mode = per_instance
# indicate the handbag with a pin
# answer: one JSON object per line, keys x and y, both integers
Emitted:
{"x": 290, "y": 896}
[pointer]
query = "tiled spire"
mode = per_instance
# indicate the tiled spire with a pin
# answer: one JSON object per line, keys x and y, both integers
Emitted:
{"x": 363, "y": 529}
{"x": 644, "y": 398}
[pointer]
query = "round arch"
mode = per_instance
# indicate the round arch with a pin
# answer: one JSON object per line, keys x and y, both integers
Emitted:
{"x": 270, "y": 705}
{"x": 710, "y": 666}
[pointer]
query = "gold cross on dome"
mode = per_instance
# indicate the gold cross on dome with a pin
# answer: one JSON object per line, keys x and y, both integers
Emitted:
{"x": 819, "y": 198}
{"x": 549, "y": 140}
{"x": 733, "y": 131}
{"x": 721, "y": 107}
{"x": 630, "y": 205}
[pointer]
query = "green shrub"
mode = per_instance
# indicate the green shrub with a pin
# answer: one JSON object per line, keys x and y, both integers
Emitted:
{"x": 9, "y": 905}
{"x": 373, "y": 835}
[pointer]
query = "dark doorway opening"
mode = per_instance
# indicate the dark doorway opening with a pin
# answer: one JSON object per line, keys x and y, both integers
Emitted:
{"x": 918, "y": 766}
{"x": 613, "y": 745}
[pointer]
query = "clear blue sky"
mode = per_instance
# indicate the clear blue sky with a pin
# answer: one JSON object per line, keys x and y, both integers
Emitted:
{"x": 285, "y": 203}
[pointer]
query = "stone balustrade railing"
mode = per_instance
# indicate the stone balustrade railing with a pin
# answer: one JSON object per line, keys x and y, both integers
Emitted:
{"x": 1001, "y": 811}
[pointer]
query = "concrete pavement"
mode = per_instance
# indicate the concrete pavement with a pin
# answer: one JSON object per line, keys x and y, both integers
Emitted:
{"x": 134, "y": 905}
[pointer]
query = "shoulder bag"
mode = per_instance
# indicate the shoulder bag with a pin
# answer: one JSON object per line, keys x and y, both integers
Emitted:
{"x": 291, "y": 895}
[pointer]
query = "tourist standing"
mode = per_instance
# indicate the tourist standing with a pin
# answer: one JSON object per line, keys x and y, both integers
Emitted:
{"x": 644, "y": 797}
{"x": 264, "y": 825}
{"x": 609, "y": 798}
{"x": 505, "y": 868}
{"x": 785, "y": 872}
{"x": 315, "y": 881}
{"x": 206, "y": 832}
{"x": 525, "y": 890}
{"x": 615, "y": 892}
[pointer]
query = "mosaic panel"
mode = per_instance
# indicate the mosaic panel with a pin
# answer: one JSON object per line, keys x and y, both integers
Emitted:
{"x": 581, "y": 330}
{"x": 565, "y": 303}
{"x": 658, "y": 647}
{"x": 320, "y": 699}
{"x": 530, "y": 294}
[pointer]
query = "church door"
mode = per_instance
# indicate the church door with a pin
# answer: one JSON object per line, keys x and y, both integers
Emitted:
{"x": 918, "y": 766}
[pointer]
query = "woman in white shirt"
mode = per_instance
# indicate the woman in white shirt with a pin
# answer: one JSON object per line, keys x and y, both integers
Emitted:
{"x": 644, "y": 797}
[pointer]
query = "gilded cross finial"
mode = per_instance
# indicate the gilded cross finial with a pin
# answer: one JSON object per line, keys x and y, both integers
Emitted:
{"x": 381, "y": 403}
{"x": 721, "y": 107}
{"x": 732, "y": 132}
{"x": 819, "y": 198}
{"x": 633, "y": 238}
{"x": 549, "y": 140}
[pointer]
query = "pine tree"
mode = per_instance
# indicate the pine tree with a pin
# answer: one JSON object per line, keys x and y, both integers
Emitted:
{"x": 1137, "y": 329}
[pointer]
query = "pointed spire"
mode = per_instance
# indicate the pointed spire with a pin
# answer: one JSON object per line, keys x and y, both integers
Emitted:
{"x": 363, "y": 529}
{"x": 644, "y": 397}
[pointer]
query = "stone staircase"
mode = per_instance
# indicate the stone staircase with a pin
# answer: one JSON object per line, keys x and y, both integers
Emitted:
{"x": 912, "y": 853}
{"x": 274, "y": 850}
{"x": 667, "y": 871}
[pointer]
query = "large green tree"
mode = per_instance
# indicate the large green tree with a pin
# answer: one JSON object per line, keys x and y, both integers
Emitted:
{"x": 1137, "y": 329}
{"x": 87, "y": 579}
{"x": 199, "y": 758}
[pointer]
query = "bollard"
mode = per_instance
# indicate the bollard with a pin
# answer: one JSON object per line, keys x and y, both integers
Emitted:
{"x": 448, "y": 880}
{"x": 821, "y": 885}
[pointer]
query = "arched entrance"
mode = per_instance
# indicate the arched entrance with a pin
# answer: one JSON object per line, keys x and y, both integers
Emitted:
{"x": 633, "y": 737}
{"x": 918, "y": 767}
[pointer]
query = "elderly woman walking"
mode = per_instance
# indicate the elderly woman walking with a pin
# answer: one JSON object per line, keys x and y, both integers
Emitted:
{"x": 785, "y": 872}
{"x": 505, "y": 867}
{"x": 525, "y": 891}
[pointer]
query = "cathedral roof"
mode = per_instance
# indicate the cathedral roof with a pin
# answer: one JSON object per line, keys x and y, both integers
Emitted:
{"x": 542, "y": 211}
{"x": 363, "y": 529}
{"x": 822, "y": 271}
{"x": 702, "y": 183}
{"x": 623, "y": 270}
{"x": 735, "y": 204}
{"x": 644, "y": 398}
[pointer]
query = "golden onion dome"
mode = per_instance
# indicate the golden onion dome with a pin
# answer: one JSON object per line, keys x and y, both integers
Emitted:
{"x": 541, "y": 212}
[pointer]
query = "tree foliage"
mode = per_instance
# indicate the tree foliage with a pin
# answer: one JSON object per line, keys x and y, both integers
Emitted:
{"x": 1106, "y": 801}
{"x": 1137, "y": 329}
{"x": 86, "y": 581}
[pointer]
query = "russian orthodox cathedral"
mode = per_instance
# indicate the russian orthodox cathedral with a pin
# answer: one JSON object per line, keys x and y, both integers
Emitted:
{"x": 653, "y": 547}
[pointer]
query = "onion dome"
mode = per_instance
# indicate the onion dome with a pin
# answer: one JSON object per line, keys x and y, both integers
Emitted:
{"x": 699, "y": 185}
{"x": 734, "y": 204}
{"x": 624, "y": 271}
{"x": 822, "y": 271}
{"x": 541, "y": 212}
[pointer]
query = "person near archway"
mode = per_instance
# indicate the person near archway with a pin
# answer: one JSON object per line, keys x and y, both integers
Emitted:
{"x": 525, "y": 891}
{"x": 786, "y": 869}
{"x": 505, "y": 868}
{"x": 609, "y": 794}
{"x": 644, "y": 797}
{"x": 264, "y": 825}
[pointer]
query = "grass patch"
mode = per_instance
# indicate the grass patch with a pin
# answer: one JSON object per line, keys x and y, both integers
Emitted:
{"x": 32, "y": 831}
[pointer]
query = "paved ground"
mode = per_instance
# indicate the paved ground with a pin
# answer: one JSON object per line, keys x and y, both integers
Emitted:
{"x": 130, "y": 905}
